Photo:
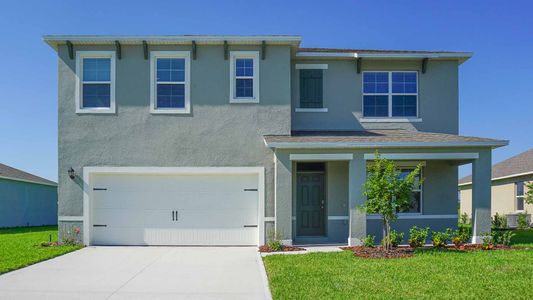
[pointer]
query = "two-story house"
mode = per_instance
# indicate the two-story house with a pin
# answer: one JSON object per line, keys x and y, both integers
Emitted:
{"x": 218, "y": 140}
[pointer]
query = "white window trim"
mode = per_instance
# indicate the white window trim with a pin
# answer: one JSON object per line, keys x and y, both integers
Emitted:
{"x": 244, "y": 54}
{"x": 80, "y": 55}
{"x": 516, "y": 196}
{"x": 390, "y": 118}
{"x": 154, "y": 55}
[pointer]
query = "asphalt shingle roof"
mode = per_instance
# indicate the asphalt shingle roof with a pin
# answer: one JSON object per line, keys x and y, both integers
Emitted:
{"x": 379, "y": 137}
{"x": 518, "y": 164}
{"x": 16, "y": 174}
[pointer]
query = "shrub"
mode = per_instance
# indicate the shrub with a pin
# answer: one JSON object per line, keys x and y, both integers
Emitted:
{"x": 459, "y": 237}
{"x": 368, "y": 241}
{"x": 487, "y": 241}
{"x": 522, "y": 221}
{"x": 506, "y": 237}
{"x": 395, "y": 238}
{"x": 497, "y": 236}
{"x": 72, "y": 236}
{"x": 499, "y": 221}
{"x": 418, "y": 236}
{"x": 440, "y": 239}
{"x": 464, "y": 220}
{"x": 274, "y": 240}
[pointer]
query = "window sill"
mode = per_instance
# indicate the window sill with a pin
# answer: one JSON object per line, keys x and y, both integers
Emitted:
{"x": 390, "y": 120}
{"x": 95, "y": 111}
{"x": 311, "y": 110}
{"x": 169, "y": 111}
{"x": 244, "y": 100}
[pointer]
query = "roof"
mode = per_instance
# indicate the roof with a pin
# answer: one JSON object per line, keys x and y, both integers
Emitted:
{"x": 392, "y": 138}
{"x": 518, "y": 165}
{"x": 11, "y": 173}
{"x": 55, "y": 40}
{"x": 341, "y": 53}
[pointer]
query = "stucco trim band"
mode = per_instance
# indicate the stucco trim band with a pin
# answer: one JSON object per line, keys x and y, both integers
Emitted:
{"x": 423, "y": 156}
{"x": 321, "y": 157}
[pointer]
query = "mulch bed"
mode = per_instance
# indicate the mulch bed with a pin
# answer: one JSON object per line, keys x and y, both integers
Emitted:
{"x": 267, "y": 249}
{"x": 378, "y": 252}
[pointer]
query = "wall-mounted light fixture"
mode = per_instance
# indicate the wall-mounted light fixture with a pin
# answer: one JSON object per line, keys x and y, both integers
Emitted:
{"x": 71, "y": 173}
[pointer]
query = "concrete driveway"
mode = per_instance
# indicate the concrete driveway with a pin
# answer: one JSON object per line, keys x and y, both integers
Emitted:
{"x": 142, "y": 273}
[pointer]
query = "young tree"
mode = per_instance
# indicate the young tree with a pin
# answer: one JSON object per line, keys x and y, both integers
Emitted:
{"x": 387, "y": 192}
{"x": 529, "y": 194}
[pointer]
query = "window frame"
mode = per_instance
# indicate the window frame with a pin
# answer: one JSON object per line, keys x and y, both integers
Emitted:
{"x": 389, "y": 96}
{"x": 154, "y": 55}
{"x": 80, "y": 55}
{"x": 516, "y": 196}
{"x": 234, "y": 55}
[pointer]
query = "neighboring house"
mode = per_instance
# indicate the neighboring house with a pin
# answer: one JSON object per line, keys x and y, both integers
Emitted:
{"x": 509, "y": 179}
{"x": 219, "y": 140}
{"x": 26, "y": 199}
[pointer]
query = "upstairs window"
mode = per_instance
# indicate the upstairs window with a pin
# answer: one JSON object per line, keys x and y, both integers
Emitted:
{"x": 95, "y": 72}
{"x": 390, "y": 94}
{"x": 311, "y": 88}
{"x": 170, "y": 88}
{"x": 519, "y": 195}
{"x": 244, "y": 74}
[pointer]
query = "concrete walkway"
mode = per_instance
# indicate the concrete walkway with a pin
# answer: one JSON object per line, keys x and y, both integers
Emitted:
{"x": 142, "y": 273}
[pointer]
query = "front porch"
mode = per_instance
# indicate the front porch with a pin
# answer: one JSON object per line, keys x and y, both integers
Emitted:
{"x": 319, "y": 187}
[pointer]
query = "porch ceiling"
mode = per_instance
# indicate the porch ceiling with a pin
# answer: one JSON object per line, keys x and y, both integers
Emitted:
{"x": 392, "y": 138}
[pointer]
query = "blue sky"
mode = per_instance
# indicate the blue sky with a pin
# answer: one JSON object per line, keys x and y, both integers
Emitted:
{"x": 496, "y": 85}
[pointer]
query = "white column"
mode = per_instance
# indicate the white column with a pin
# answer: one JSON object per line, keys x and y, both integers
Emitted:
{"x": 283, "y": 196}
{"x": 481, "y": 194}
{"x": 356, "y": 179}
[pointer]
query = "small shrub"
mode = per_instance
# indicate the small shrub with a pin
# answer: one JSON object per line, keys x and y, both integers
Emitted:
{"x": 506, "y": 237}
{"x": 499, "y": 221}
{"x": 497, "y": 236}
{"x": 487, "y": 241}
{"x": 72, "y": 236}
{"x": 465, "y": 230}
{"x": 395, "y": 237}
{"x": 464, "y": 220}
{"x": 418, "y": 236}
{"x": 522, "y": 221}
{"x": 440, "y": 239}
{"x": 368, "y": 241}
{"x": 275, "y": 245}
{"x": 459, "y": 237}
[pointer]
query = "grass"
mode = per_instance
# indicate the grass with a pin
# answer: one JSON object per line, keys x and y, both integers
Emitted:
{"x": 430, "y": 274}
{"x": 20, "y": 247}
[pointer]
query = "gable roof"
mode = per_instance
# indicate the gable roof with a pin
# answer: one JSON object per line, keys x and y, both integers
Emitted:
{"x": 11, "y": 173}
{"x": 517, "y": 165}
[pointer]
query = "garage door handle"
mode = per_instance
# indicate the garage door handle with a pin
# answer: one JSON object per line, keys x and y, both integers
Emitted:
{"x": 247, "y": 226}
{"x": 174, "y": 215}
{"x": 99, "y": 225}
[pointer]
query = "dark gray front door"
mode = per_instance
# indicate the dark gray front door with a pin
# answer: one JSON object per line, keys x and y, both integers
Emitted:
{"x": 310, "y": 204}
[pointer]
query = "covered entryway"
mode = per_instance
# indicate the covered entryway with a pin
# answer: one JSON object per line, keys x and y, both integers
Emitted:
{"x": 184, "y": 207}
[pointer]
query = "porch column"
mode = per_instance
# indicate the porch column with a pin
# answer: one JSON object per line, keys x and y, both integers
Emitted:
{"x": 356, "y": 179}
{"x": 283, "y": 196}
{"x": 481, "y": 194}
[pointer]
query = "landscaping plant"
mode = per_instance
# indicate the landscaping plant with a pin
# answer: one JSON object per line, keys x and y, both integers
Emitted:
{"x": 529, "y": 193}
{"x": 441, "y": 238}
{"x": 368, "y": 241}
{"x": 523, "y": 221}
{"x": 418, "y": 236}
{"x": 459, "y": 237}
{"x": 487, "y": 241}
{"x": 274, "y": 240}
{"x": 499, "y": 221}
{"x": 387, "y": 193}
{"x": 464, "y": 220}
{"x": 395, "y": 238}
{"x": 506, "y": 237}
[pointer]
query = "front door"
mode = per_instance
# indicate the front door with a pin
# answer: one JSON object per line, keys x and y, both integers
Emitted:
{"x": 310, "y": 204}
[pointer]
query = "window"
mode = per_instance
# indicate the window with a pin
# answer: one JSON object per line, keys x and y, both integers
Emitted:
{"x": 519, "y": 195}
{"x": 170, "y": 82}
{"x": 95, "y": 82}
{"x": 390, "y": 94}
{"x": 416, "y": 196}
{"x": 244, "y": 74}
{"x": 310, "y": 88}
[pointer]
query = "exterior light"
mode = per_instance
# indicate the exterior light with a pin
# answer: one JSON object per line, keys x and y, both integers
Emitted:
{"x": 71, "y": 173}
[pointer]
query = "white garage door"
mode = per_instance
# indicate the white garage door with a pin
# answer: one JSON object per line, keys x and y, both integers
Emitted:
{"x": 174, "y": 209}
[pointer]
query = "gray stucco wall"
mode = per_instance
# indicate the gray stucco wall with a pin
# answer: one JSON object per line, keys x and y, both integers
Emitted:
{"x": 216, "y": 133}
{"x": 342, "y": 94}
{"x": 27, "y": 204}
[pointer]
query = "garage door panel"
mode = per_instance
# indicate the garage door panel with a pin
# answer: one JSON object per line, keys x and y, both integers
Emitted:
{"x": 211, "y": 209}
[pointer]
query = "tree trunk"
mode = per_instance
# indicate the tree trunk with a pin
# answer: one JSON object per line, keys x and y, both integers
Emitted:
{"x": 386, "y": 235}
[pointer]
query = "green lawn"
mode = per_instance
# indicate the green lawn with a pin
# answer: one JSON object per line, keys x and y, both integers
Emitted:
{"x": 19, "y": 247}
{"x": 429, "y": 274}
